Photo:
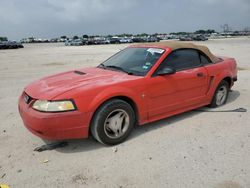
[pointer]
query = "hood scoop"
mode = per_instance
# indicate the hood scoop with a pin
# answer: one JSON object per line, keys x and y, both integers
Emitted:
{"x": 79, "y": 72}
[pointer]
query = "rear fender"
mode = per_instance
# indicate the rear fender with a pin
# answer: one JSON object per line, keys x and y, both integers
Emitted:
{"x": 216, "y": 81}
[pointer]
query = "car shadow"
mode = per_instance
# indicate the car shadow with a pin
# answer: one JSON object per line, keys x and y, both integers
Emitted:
{"x": 162, "y": 123}
{"x": 81, "y": 145}
{"x": 233, "y": 95}
{"x": 84, "y": 145}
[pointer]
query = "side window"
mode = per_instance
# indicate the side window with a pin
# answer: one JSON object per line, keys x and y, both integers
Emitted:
{"x": 182, "y": 59}
{"x": 205, "y": 60}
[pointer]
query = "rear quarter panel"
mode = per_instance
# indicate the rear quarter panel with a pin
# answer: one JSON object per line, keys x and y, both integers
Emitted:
{"x": 218, "y": 71}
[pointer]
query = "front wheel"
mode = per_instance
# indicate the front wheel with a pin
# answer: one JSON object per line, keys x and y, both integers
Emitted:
{"x": 220, "y": 95}
{"x": 113, "y": 122}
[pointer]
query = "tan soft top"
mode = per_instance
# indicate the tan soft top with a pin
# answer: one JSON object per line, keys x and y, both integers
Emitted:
{"x": 178, "y": 45}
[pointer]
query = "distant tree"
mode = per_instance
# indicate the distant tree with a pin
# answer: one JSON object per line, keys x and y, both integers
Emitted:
{"x": 142, "y": 35}
{"x": 129, "y": 35}
{"x": 121, "y": 35}
{"x": 201, "y": 31}
{"x": 3, "y": 39}
{"x": 63, "y": 37}
{"x": 75, "y": 37}
{"x": 85, "y": 36}
{"x": 179, "y": 33}
{"x": 209, "y": 31}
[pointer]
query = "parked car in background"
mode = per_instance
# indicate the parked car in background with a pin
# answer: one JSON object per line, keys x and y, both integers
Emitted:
{"x": 199, "y": 38}
{"x": 139, "y": 39}
{"x": 19, "y": 45}
{"x": 75, "y": 42}
{"x": 14, "y": 44}
{"x": 195, "y": 37}
{"x": 114, "y": 40}
{"x": 152, "y": 39}
{"x": 185, "y": 38}
{"x": 105, "y": 41}
{"x": 10, "y": 45}
{"x": 3, "y": 45}
{"x": 101, "y": 41}
{"x": 140, "y": 84}
{"x": 125, "y": 40}
{"x": 90, "y": 41}
{"x": 67, "y": 42}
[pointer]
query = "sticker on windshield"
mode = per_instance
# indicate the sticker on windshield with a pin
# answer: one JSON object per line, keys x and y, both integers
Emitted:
{"x": 155, "y": 50}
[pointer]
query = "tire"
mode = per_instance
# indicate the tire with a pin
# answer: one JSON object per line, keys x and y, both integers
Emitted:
{"x": 220, "y": 94}
{"x": 113, "y": 122}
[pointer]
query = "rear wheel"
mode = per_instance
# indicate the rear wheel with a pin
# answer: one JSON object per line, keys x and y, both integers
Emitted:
{"x": 220, "y": 95}
{"x": 113, "y": 122}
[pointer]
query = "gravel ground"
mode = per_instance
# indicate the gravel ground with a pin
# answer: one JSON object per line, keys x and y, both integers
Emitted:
{"x": 194, "y": 149}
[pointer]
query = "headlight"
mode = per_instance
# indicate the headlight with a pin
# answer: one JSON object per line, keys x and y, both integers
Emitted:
{"x": 54, "y": 106}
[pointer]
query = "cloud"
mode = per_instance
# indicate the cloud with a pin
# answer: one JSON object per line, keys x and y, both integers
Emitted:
{"x": 53, "y": 18}
{"x": 88, "y": 10}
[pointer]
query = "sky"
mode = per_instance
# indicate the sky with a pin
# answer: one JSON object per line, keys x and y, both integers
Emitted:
{"x": 54, "y": 18}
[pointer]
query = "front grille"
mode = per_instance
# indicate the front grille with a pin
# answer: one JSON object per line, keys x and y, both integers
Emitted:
{"x": 27, "y": 98}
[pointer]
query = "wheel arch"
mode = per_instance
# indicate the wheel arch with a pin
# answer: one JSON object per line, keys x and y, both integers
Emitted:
{"x": 216, "y": 83}
{"x": 131, "y": 102}
{"x": 127, "y": 99}
{"x": 229, "y": 80}
{"x": 213, "y": 102}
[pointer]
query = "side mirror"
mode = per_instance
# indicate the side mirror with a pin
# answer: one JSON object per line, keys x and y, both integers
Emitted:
{"x": 166, "y": 71}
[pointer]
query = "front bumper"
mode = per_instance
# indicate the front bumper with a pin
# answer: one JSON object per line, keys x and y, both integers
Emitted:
{"x": 54, "y": 126}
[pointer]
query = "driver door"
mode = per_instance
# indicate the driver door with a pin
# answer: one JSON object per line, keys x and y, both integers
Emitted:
{"x": 185, "y": 88}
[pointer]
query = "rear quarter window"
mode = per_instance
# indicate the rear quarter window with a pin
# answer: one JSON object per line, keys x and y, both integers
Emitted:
{"x": 205, "y": 60}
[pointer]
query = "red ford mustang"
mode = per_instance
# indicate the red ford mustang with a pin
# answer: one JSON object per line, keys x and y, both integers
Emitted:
{"x": 140, "y": 84}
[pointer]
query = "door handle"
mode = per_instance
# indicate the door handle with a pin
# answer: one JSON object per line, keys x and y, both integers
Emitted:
{"x": 200, "y": 74}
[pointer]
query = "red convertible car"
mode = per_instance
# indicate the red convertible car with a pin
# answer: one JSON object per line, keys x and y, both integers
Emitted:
{"x": 140, "y": 84}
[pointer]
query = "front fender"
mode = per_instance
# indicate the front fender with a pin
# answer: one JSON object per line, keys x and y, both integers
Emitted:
{"x": 117, "y": 91}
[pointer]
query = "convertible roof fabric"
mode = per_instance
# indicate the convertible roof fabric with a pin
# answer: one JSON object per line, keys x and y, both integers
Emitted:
{"x": 174, "y": 45}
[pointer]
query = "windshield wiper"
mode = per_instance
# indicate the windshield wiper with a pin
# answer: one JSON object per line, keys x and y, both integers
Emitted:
{"x": 114, "y": 67}
{"x": 102, "y": 66}
{"x": 119, "y": 68}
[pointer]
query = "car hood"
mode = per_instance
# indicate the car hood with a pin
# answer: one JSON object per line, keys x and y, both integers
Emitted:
{"x": 50, "y": 87}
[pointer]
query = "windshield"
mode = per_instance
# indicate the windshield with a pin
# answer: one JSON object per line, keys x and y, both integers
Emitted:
{"x": 134, "y": 61}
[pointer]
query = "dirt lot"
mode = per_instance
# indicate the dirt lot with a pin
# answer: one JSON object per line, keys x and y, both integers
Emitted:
{"x": 194, "y": 149}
